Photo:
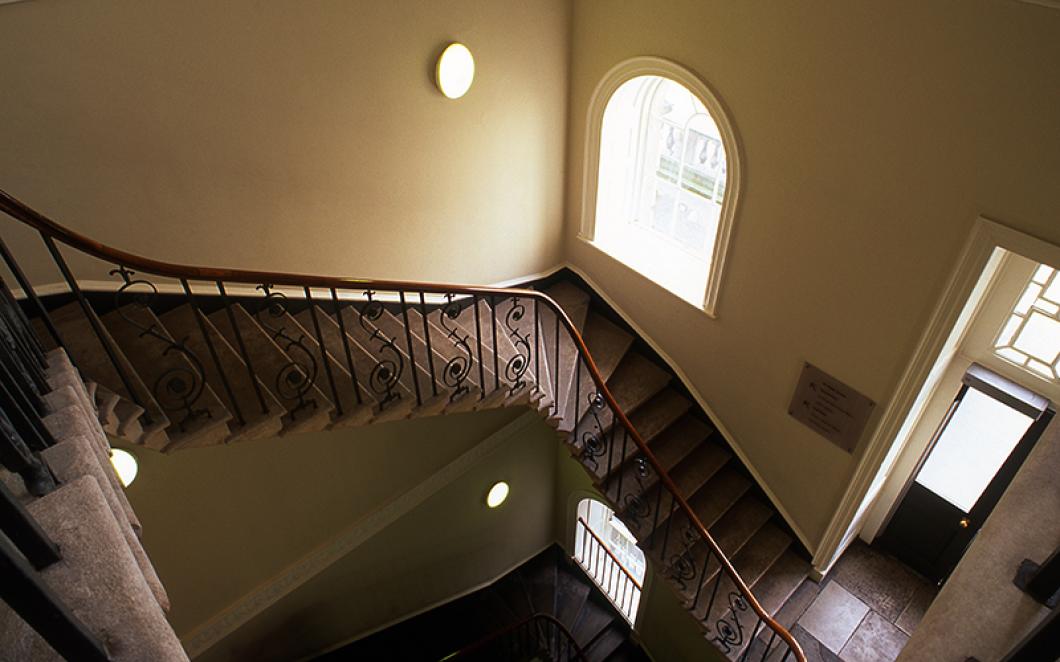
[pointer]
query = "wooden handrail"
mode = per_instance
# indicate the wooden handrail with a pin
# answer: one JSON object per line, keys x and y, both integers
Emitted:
{"x": 627, "y": 573}
{"x": 493, "y": 636}
{"x": 49, "y": 228}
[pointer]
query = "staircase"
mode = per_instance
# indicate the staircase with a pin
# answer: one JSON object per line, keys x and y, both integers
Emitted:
{"x": 548, "y": 584}
{"x": 210, "y": 356}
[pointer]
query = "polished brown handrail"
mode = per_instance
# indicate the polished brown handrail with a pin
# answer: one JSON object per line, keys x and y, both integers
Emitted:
{"x": 49, "y": 228}
{"x": 493, "y": 636}
{"x": 627, "y": 573}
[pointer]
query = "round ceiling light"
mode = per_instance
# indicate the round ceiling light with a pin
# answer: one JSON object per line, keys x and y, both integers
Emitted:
{"x": 497, "y": 494}
{"x": 455, "y": 71}
{"x": 125, "y": 465}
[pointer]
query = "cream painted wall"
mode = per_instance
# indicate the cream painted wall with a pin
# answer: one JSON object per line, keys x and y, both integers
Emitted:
{"x": 296, "y": 135}
{"x": 873, "y": 134}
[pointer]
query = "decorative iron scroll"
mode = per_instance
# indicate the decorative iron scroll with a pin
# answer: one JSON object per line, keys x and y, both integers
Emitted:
{"x": 389, "y": 364}
{"x": 296, "y": 377}
{"x": 594, "y": 443}
{"x": 682, "y": 569}
{"x": 181, "y": 386}
{"x": 458, "y": 368}
{"x": 518, "y": 364}
{"x": 730, "y": 635}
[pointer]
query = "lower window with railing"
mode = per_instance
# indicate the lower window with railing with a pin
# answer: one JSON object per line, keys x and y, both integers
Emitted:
{"x": 608, "y": 553}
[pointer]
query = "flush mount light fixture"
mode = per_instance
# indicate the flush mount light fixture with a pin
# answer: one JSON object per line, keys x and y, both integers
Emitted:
{"x": 125, "y": 465}
{"x": 497, "y": 494}
{"x": 455, "y": 71}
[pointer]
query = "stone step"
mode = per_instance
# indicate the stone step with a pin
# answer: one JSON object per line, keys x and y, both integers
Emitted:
{"x": 383, "y": 409}
{"x": 176, "y": 375}
{"x": 606, "y": 642}
{"x": 772, "y": 590}
{"x": 634, "y": 382}
{"x": 258, "y": 422}
{"x": 455, "y": 365}
{"x": 592, "y": 620}
{"x": 608, "y": 344}
{"x": 699, "y": 468}
{"x": 751, "y": 563}
{"x": 288, "y": 332}
{"x": 574, "y": 301}
{"x": 87, "y": 352}
{"x": 384, "y": 339}
{"x": 731, "y": 532}
{"x": 285, "y": 369}
{"x": 670, "y": 447}
{"x": 650, "y": 421}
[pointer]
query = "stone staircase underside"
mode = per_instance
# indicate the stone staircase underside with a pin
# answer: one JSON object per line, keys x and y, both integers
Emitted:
{"x": 288, "y": 388}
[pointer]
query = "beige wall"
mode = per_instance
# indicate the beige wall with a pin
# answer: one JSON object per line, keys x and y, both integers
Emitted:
{"x": 873, "y": 135}
{"x": 297, "y": 135}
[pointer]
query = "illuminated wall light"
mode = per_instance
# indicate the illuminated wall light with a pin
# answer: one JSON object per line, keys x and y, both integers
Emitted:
{"x": 125, "y": 465}
{"x": 455, "y": 71}
{"x": 497, "y": 494}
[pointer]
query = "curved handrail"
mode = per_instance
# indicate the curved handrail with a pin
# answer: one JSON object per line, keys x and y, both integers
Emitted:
{"x": 493, "y": 636}
{"x": 25, "y": 214}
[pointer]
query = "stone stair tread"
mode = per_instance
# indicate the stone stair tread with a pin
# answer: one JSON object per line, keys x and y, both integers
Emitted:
{"x": 87, "y": 352}
{"x": 574, "y": 301}
{"x": 606, "y": 643}
{"x": 591, "y": 621}
{"x": 540, "y": 584}
{"x": 772, "y": 590}
{"x": 388, "y": 352}
{"x": 106, "y": 402}
{"x": 707, "y": 468}
{"x": 608, "y": 344}
{"x": 731, "y": 532}
{"x": 634, "y": 382}
{"x": 751, "y": 563}
{"x": 571, "y": 593}
{"x": 257, "y": 424}
{"x": 670, "y": 447}
{"x": 164, "y": 361}
{"x": 789, "y": 613}
{"x": 272, "y": 364}
{"x": 363, "y": 364}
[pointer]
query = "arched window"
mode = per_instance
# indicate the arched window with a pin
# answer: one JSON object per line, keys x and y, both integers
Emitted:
{"x": 661, "y": 177}
{"x": 608, "y": 552}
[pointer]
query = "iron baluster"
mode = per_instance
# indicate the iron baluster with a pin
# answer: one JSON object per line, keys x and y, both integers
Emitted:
{"x": 17, "y": 457}
{"x": 427, "y": 340}
{"x": 458, "y": 368}
{"x": 408, "y": 340}
{"x": 537, "y": 347}
{"x": 496, "y": 350}
{"x": 323, "y": 352}
{"x": 20, "y": 527}
{"x": 346, "y": 345}
{"x": 27, "y": 594}
{"x": 20, "y": 382}
{"x": 769, "y": 646}
{"x": 751, "y": 640}
{"x": 24, "y": 352}
{"x": 713, "y": 596}
{"x": 200, "y": 321}
{"x": 478, "y": 339}
{"x": 294, "y": 380}
{"x": 555, "y": 370}
{"x": 28, "y": 424}
{"x": 625, "y": 438}
{"x": 97, "y": 325}
{"x": 731, "y": 634}
{"x": 669, "y": 519}
{"x": 516, "y": 367}
{"x": 655, "y": 520}
{"x": 386, "y": 374}
{"x": 28, "y": 290}
{"x": 24, "y": 324}
{"x": 242, "y": 348}
{"x": 177, "y": 387}
{"x": 702, "y": 581}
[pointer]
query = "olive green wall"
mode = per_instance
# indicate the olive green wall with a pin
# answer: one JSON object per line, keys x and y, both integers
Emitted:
{"x": 873, "y": 135}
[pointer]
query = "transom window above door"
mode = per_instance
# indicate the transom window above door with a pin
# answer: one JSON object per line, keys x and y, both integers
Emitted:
{"x": 1030, "y": 337}
{"x": 664, "y": 192}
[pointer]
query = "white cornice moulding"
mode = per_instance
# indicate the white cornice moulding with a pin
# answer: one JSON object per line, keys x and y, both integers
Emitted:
{"x": 316, "y": 561}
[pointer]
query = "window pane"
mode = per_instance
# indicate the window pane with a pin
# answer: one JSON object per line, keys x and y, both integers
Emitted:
{"x": 972, "y": 448}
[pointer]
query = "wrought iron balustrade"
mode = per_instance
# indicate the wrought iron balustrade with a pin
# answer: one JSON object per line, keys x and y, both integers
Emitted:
{"x": 412, "y": 344}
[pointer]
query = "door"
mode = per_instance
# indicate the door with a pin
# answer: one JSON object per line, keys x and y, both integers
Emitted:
{"x": 988, "y": 431}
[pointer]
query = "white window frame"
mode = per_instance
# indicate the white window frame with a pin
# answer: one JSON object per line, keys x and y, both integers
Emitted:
{"x": 656, "y": 66}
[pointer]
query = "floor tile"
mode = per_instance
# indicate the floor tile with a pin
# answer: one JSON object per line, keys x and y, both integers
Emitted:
{"x": 833, "y": 616}
{"x": 815, "y": 651}
{"x": 914, "y": 611}
{"x": 881, "y": 582}
{"x": 875, "y": 640}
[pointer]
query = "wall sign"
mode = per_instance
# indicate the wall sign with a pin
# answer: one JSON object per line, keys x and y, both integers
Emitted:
{"x": 830, "y": 408}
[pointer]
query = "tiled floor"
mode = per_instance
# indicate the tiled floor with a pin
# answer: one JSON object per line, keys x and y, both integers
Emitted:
{"x": 863, "y": 611}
